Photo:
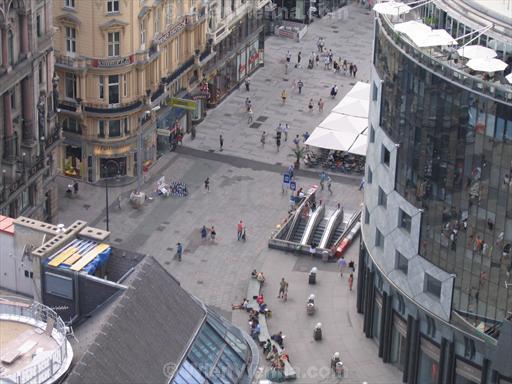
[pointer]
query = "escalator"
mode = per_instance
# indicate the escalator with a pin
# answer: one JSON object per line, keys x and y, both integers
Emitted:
{"x": 299, "y": 230}
{"x": 319, "y": 231}
{"x": 336, "y": 235}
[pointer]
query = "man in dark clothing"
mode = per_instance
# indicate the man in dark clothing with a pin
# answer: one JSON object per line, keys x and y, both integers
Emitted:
{"x": 75, "y": 187}
{"x": 221, "y": 142}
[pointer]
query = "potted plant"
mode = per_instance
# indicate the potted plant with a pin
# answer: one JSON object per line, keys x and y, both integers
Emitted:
{"x": 298, "y": 153}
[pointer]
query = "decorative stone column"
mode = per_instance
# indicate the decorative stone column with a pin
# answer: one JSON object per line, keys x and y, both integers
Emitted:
{"x": 27, "y": 92}
{"x": 9, "y": 150}
{"x": 5, "y": 52}
{"x": 24, "y": 33}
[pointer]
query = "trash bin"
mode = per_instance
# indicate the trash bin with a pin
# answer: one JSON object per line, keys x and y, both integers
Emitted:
{"x": 312, "y": 275}
{"x": 325, "y": 256}
{"x": 317, "y": 332}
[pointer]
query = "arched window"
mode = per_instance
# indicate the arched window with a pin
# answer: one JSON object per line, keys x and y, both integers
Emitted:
{"x": 10, "y": 44}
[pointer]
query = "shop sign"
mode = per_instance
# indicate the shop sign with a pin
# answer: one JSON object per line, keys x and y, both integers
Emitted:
{"x": 187, "y": 104}
{"x": 113, "y": 62}
{"x": 102, "y": 150}
{"x": 252, "y": 58}
{"x": 171, "y": 32}
{"x": 203, "y": 96}
{"x": 163, "y": 132}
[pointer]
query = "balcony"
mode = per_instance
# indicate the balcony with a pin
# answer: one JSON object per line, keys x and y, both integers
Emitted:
{"x": 28, "y": 172}
{"x": 70, "y": 106}
{"x": 438, "y": 62}
{"x": 53, "y": 139}
{"x": 193, "y": 20}
{"x": 105, "y": 109}
{"x": 180, "y": 71}
{"x": 68, "y": 62}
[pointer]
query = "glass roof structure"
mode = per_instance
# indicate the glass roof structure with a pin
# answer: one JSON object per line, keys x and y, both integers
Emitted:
{"x": 219, "y": 354}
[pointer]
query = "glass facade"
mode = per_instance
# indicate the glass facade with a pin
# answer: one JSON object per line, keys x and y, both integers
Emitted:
{"x": 219, "y": 354}
{"x": 455, "y": 163}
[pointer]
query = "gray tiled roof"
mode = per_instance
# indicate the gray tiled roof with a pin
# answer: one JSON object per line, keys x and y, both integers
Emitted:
{"x": 150, "y": 326}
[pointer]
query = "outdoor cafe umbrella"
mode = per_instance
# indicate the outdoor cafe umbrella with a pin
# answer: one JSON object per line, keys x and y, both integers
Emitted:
{"x": 412, "y": 27}
{"x": 353, "y": 107}
{"x": 487, "y": 65}
{"x": 328, "y": 139}
{"x": 391, "y": 8}
{"x": 476, "y": 52}
{"x": 434, "y": 38}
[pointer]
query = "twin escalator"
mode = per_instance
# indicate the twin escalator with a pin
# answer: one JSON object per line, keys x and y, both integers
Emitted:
{"x": 299, "y": 230}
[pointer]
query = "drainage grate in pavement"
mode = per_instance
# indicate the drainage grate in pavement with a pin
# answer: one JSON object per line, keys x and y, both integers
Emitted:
{"x": 262, "y": 118}
{"x": 204, "y": 260}
{"x": 160, "y": 228}
{"x": 334, "y": 27}
{"x": 176, "y": 231}
{"x": 352, "y": 83}
{"x": 279, "y": 163}
{"x": 167, "y": 262}
{"x": 86, "y": 206}
{"x": 335, "y": 31}
{"x": 255, "y": 125}
{"x": 211, "y": 150}
{"x": 170, "y": 249}
{"x": 227, "y": 114}
{"x": 200, "y": 282}
{"x": 167, "y": 222}
{"x": 118, "y": 240}
{"x": 285, "y": 79}
{"x": 268, "y": 80}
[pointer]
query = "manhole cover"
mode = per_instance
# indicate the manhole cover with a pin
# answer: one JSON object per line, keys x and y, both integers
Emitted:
{"x": 227, "y": 114}
{"x": 300, "y": 110}
{"x": 160, "y": 228}
{"x": 86, "y": 206}
{"x": 118, "y": 240}
{"x": 189, "y": 211}
{"x": 200, "y": 282}
{"x": 255, "y": 125}
{"x": 262, "y": 118}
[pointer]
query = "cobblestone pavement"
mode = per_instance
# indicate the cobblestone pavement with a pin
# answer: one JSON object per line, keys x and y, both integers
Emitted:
{"x": 349, "y": 36}
{"x": 246, "y": 185}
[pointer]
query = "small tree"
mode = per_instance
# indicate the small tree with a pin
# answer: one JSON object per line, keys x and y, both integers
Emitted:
{"x": 299, "y": 153}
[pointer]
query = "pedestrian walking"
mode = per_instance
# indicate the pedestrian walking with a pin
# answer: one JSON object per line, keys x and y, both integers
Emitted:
{"x": 317, "y": 59}
{"x": 284, "y": 95}
{"x": 247, "y": 84}
{"x": 285, "y": 131}
{"x": 299, "y": 57}
{"x": 296, "y": 141}
{"x": 239, "y": 230}
{"x": 279, "y": 127}
{"x": 342, "y": 263}
{"x": 323, "y": 178}
{"x": 213, "y": 233}
{"x": 320, "y": 105}
{"x": 350, "y": 281}
{"x": 305, "y": 136}
{"x": 247, "y": 104}
{"x": 288, "y": 57}
{"x": 286, "y": 66}
{"x": 361, "y": 184}
{"x": 300, "y": 84}
{"x": 326, "y": 62}
{"x": 250, "y": 114}
{"x": 179, "y": 251}
{"x": 118, "y": 202}
{"x": 329, "y": 185}
{"x": 75, "y": 187}
{"x": 282, "y": 286}
{"x": 354, "y": 70}
{"x": 207, "y": 184}
{"x": 310, "y": 105}
{"x": 278, "y": 142}
{"x": 204, "y": 232}
{"x": 263, "y": 139}
{"x": 221, "y": 142}
{"x": 351, "y": 69}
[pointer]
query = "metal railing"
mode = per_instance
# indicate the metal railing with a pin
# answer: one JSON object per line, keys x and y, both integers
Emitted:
{"x": 484, "y": 87}
{"x": 37, "y": 315}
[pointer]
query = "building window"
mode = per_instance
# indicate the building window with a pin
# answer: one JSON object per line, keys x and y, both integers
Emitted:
{"x": 125, "y": 85}
{"x": 101, "y": 80}
{"x": 157, "y": 20}
{"x": 101, "y": 128}
{"x": 432, "y": 286}
{"x": 112, "y": 6}
{"x": 168, "y": 12}
{"x": 369, "y": 175}
{"x": 401, "y": 262}
{"x": 70, "y": 82}
{"x": 379, "y": 238}
{"x": 10, "y": 44}
{"x": 372, "y": 134}
{"x": 114, "y": 44}
{"x": 143, "y": 32}
{"x": 401, "y": 303}
{"x": 366, "y": 216}
{"x": 39, "y": 28}
{"x": 41, "y": 72}
{"x": 222, "y": 9}
{"x": 375, "y": 92}
{"x": 13, "y": 99}
{"x": 232, "y": 5}
{"x": 25, "y": 199}
{"x": 70, "y": 124}
{"x": 404, "y": 220}
{"x": 69, "y": 3}
{"x": 431, "y": 326}
{"x": 126, "y": 126}
{"x": 469, "y": 348}
{"x": 114, "y": 128}
{"x": 385, "y": 156}
{"x": 70, "y": 40}
{"x": 113, "y": 89}
{"x": 383, "y": 198}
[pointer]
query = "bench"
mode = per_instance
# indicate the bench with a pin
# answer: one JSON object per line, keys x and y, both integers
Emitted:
{"x": 264, "y": 333}
{"x": 253, "y": 290}
{"x": 289, "y": 372}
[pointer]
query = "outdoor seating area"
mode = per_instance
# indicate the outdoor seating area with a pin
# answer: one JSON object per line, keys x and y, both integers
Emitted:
{"x": 334, "y": 161}
{"x": 273, "y": 345}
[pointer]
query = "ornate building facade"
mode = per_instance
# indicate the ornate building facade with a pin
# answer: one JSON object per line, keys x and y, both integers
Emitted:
{"x": 28, "y": 108}
{"x": 117, "y": 60}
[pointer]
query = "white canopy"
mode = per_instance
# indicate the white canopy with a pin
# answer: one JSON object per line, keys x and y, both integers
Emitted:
{"x": 353, "y": 107}
{"x": 391, "y": 8}
{"x": 326, "y": 138}
{"x": 412, "y": 27}
{"x": 343, "y": 123}
{"x": 359, "y": 146}
{"x": 509, "y": 78}
{"x": 360, "y": 91}
{"x": 487, "y": 65}
{"x": 476, "y": 52}
{"x": 435, "y": 38}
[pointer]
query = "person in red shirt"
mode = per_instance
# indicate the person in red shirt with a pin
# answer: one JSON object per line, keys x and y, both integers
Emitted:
{"x": 240, "y": 230}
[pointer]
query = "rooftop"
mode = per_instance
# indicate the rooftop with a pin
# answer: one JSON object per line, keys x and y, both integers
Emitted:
{"x": 6, "y": 225}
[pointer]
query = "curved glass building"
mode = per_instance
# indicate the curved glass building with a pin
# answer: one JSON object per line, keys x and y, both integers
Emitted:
{"x": 436, "y": 250}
